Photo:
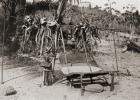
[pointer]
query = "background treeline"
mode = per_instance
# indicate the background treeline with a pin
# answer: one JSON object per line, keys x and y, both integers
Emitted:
{"x": 12, "y": 13}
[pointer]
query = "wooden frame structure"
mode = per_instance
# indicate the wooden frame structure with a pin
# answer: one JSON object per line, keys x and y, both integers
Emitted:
{"x": 90, "y": 72}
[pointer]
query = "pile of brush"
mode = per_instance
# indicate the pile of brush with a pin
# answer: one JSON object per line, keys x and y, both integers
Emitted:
{"x": 130, "y": 45}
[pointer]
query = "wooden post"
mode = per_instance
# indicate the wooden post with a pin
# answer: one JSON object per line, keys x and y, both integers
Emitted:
{"x": 91, "y": 80}
{"x": 82, "y": 86}
{"x": 43, "y": 76}
{"x": 116, "y": 57}
{"x": 47, "y": 77}
{"x": 112, "y": 82}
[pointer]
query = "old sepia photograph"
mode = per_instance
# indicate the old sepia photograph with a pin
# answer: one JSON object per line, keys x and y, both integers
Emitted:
{"x": 69, "y": 49}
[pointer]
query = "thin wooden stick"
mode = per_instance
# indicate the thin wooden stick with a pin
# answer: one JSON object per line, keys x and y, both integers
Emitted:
{"x": 63, "y": 46}
{"x": 64, "y": 49}
{"x": 84, "y": 44}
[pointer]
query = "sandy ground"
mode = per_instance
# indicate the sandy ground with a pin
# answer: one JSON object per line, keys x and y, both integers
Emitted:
{"x": 27, "y": 80}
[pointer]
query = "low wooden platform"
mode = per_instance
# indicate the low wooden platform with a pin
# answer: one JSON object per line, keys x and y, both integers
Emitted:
{"x": 80, "y": 73}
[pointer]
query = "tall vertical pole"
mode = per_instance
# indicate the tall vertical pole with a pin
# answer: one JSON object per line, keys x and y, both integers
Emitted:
{"x": 115, "y": 49}
{"x": 2, "y": 62}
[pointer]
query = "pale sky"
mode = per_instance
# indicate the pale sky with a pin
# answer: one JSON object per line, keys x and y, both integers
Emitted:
{"x": 119, "y": 3}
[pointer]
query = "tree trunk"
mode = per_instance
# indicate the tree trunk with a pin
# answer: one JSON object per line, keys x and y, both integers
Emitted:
{"x": 61, "y": 8}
